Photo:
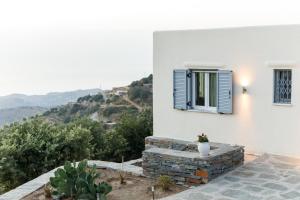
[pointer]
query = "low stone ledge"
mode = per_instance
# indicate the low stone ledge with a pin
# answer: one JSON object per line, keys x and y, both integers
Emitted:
{"x": 181, "y": 161}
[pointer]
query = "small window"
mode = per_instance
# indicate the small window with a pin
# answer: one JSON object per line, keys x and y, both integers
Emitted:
{"x": 282, "y": 86}
{"x": 204, "y": 91}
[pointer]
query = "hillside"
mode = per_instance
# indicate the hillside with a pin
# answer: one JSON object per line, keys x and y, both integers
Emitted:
{"x": 47, "y": 100}
{"x": 128, "y": 99}
{"x": 109, "y": 126}
{"x": 10, "y": 115}
{"x": 15, "y": 107}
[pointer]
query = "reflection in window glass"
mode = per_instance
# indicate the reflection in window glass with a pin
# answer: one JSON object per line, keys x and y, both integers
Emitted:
{"x": 200, "y": 89}
{"x": 212, "y": 89}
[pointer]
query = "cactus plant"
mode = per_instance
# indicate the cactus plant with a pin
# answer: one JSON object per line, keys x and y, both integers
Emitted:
{"x": 78, "y": 182}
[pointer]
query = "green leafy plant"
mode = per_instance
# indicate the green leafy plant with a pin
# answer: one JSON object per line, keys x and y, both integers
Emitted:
{"x": 122, "y": 178}
{"x": 164, "y": 182}
{"x": 78, "y": 182}
{"x": 47, "y": 191}
{"x": 202, "y": 138}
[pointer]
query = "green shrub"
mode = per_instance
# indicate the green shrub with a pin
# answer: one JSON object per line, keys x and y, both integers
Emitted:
{"x": 146, "y": 80}
{"x": 78, "y": 182}
{"x": 91, "y": 98}
{"x": 134, "y": 129}
{"x": 33, "y": 147}
{"x": 97, "y": 131}
{"x": 114, "y": 147}
{"x": 164, "y": 182}
{"x": 141, "y": 94}
{"x": 202, "y": 138}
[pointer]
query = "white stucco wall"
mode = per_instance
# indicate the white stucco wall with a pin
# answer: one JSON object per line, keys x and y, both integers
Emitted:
{"x": 251, "y": 53}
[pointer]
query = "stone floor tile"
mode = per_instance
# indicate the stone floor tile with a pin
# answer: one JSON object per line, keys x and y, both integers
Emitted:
{"x": 268, "y": 176}
{"x": 291, "y": 195}
{"x": 239, "y": 194}
{"x": 293, "y": 179}
{"x": 275, "y": 186}
{"x": 198, "y": 196}
{"x": 244, "y": 174}
{"x": 236, "y": 185}
{"x": 273, "y": 198}
{"x": 209, "y": 189}
{"x": 252, "y": 188}
{"x": 267, "y": 193}
{"x": 282, "y": 165}
{"x": 231, "y": 178}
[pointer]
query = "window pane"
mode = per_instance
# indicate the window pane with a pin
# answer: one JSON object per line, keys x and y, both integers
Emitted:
{"x": 282, "y": 86}
{"x": 200, "y": 88}
{"x": 213, "y": 90}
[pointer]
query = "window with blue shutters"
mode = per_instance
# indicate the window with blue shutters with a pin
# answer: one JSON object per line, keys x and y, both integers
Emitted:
{"x": 203, "y": 90}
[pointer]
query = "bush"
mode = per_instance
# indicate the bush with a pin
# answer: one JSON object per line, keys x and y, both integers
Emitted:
{"x": 78, "y": 182}
{"x": 110, "y": 110}
{"x": 97, "y": 131}
{"x": 146, "y": 80}
{"x": 91, "y": 98}
{"x": 134, "y": 129}
{"x": 141, "y": 94}
{"x": 164, "y": 182}
{"x": 114, "y": 147}
{"x": 33, "y": 147}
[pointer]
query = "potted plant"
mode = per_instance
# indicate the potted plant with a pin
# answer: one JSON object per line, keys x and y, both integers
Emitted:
{"x": 203, "y": 145}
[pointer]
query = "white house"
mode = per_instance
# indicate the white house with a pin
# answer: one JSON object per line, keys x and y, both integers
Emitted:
{"x": 237, "y": 85}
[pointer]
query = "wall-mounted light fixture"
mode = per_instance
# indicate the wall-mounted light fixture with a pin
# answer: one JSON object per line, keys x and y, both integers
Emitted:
{"x": 244, "y": 84}
{"x": 244, "y": 90}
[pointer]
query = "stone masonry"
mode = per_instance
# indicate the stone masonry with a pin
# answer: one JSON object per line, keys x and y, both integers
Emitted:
{"x": 181, "y": 160}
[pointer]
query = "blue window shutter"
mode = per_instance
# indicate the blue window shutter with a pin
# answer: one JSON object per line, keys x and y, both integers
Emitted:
{"x": 225, "y": 92}
{"x": 181, "y": 87}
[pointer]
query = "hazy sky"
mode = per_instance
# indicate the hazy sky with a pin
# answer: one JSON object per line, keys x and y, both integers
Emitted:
{"x": 60, "y": 45}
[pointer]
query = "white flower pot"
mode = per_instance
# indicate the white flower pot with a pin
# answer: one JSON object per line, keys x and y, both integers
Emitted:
{"x": 203, "y": 148}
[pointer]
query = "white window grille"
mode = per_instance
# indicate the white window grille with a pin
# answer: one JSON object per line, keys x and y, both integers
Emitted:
{"x": 282, "y": 86}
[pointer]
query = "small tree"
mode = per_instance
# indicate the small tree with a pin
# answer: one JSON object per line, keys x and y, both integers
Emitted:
{"x": 134, "y": 129}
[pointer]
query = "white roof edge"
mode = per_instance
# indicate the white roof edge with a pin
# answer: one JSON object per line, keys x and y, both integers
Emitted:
{"x": 228, "y": 28}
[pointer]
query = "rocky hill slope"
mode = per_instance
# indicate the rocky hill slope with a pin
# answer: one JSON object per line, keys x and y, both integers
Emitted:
{"x": 128, "y": 99}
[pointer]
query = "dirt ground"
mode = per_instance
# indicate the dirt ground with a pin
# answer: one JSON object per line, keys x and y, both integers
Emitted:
{"x": 136, "y": 188}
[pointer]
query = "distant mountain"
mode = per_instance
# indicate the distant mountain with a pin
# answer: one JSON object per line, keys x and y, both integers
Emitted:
{"x": 47, "y": 101}
{"x": 10, "y": 115}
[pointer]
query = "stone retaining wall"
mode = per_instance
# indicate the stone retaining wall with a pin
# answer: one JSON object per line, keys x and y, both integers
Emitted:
{"x": 181, "y": 161}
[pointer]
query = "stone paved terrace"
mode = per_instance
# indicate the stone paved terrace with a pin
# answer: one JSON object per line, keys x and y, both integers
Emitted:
{"x": 269, "y": 177}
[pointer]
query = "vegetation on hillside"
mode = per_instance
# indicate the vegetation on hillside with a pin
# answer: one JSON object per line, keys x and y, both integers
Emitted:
{"x": 141, "y": 91}
{"x": 69, "y": 133}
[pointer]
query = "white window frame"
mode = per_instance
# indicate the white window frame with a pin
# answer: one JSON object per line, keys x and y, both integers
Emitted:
{"x": 206, "y": 107}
